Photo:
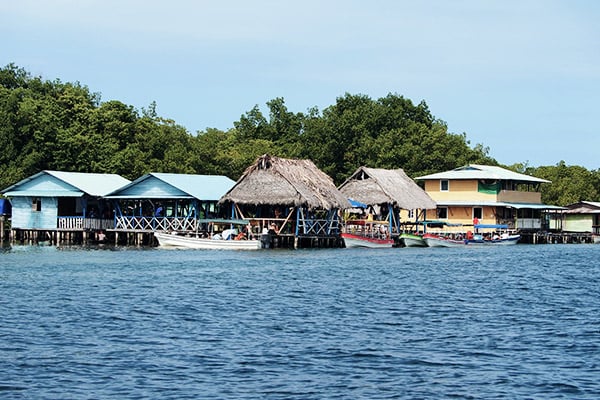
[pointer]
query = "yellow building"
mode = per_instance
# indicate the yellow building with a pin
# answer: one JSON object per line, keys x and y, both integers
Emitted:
{"x": 487, "y": 195}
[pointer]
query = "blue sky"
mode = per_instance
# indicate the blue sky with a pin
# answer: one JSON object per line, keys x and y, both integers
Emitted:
{"x": 521, "y": 77}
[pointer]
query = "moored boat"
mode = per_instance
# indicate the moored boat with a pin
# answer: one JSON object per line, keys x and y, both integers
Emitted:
{"x": 433, "y": 240}
{"x": 412, "y": 240}
{"x": 353, "y": 240}
{"x": 500, "y": 235}
{"x": 504, "y": 239}
{"x": 367, "y": 233}
{"x": 192, "y": 242}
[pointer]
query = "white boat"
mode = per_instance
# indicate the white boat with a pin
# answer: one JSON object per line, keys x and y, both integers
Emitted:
{"x": 352, "y": 240}
{"x": 500, "y": 236}
{"x": 191, "y": 242}
{"x": 433, "y": 240}
{"x": 504, "y": 239}
{"x": 367, "y": 233}
{"x": 596, "y": 239}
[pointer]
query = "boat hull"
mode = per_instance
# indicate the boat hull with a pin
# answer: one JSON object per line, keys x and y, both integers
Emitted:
{"x": 352, "y": 241}
{"x": 505, "y": 241}
{"x": 412, "y": 241}
{"x": 185, "y": 242}
{"x": 436, "y": 241}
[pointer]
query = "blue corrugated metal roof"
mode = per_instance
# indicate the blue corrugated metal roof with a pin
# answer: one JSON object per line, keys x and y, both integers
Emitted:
{"x": 175, "y": 186}
{"x": 66, "y": 184}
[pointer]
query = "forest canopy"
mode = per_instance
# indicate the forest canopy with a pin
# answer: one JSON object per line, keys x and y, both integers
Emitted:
{"x": 64, "y": 126}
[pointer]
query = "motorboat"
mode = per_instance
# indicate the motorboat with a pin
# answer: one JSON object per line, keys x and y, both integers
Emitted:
{"x": 173, "y": 239}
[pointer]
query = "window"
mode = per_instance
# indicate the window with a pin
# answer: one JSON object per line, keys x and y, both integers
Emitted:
{"x": 36, "y": 204}
{"x": 442, "y": 212}
{"x": 444, "y": 185}
{"x": 477, "y": 213}
{"x": 411, "y": 214}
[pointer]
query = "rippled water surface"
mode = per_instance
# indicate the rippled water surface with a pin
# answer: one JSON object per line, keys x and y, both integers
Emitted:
{"x": 506, "y": 322}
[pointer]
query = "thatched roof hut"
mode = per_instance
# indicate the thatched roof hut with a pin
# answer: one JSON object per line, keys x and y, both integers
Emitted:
{"x": 375, "y": 186}
{"x": 288, "y": 182}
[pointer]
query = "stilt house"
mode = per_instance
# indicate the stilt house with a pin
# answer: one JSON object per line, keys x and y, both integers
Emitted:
{"x": 168, "y": 202}
{"x": 291, "y": 197}
{"x": 52, "y": 201}
{"x": 389, "y": 191}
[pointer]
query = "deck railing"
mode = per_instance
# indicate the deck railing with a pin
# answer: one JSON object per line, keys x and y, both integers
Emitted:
{"x": 156, "y": 224}
{"x": 82, "y": 223}
{"x": 318, "y": 227}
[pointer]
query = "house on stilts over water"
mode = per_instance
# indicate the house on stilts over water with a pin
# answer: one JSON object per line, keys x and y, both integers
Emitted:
{"x": 184, "y": 204}
{"x": 294, "y": 203}
{"x": 62, "y": 207}
{"x": 384, "y": 194}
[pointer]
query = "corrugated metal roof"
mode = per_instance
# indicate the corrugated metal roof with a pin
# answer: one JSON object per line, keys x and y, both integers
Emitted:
{"x": 175, "y": 186}
{"x": 90, "y": 183}
{"x": 474, "y": 171}
{"x": 537, "y": 206}
{"x": 65, "y": 184}
{"x": 43, "y": 193}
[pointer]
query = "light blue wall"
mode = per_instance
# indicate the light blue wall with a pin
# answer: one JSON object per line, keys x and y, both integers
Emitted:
{"x": 152, "y": 188}
{"x": 24, "y": 217}
{"x": 47, "y": 182}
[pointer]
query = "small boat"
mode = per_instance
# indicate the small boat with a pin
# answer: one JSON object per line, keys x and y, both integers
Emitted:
{"x": 190, "y": 242}
{"x": 500, "y": 236}
{"x": 596, "y": 239}
{"x": 412, "y": 240}
{"x": 352, "y": 240}
{"x": 434, "y": 240}
{"x": 367, "y": 233}
{"x": 504, "y": 239}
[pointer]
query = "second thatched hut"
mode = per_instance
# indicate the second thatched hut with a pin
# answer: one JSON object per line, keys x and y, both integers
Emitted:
{"x": 292, "y": 199}
{"x": 388, "y": 191}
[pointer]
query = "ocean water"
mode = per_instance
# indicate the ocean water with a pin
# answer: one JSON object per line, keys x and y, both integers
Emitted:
{"x": 491, "y": 322}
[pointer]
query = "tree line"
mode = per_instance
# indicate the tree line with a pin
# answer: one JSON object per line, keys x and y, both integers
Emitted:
{"x": 64, "y": 126}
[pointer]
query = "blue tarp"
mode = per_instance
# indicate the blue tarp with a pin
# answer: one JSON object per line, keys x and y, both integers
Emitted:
{"x": 5, "y": 207}
{"x": 357, "y": 204}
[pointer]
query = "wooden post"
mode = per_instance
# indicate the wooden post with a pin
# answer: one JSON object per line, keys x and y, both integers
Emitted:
{"x": 1, "y": 228}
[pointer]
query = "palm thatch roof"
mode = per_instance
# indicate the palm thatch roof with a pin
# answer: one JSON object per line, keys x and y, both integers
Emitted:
{"x": 384, "y": 186}
{"x": 288, "y": 182}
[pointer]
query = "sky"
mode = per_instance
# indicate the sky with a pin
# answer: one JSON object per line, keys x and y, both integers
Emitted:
{"x": 521, "y": 77}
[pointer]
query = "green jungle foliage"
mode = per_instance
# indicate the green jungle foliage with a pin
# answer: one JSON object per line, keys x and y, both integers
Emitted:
{"x": 63, "y": 126}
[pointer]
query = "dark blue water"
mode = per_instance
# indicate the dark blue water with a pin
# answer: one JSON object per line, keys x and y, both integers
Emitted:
{"x": 504, "y": 322}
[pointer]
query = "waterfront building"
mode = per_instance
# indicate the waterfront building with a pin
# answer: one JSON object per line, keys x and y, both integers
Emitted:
{"x": 583, "y": 216}
{"x": 180, "y": 203}
{"x": 392, "y": 194}
{"x": 51, "y": 204}
{"x": 489, "y": 195}
{"x": 292, "y": 199}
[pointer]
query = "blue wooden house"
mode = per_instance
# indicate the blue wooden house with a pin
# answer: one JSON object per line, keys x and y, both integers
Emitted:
{"x": 168, "y": 202}
{"x": 51, "y": 201}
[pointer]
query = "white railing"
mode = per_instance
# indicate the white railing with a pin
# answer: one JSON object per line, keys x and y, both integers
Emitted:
{"x": 156, "y": 224}
{"x": 70, "y": 223}
{"x": 81, "y": 223}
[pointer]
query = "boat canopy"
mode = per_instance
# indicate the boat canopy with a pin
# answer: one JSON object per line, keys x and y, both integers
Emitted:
{"x": 490, "y": 226}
